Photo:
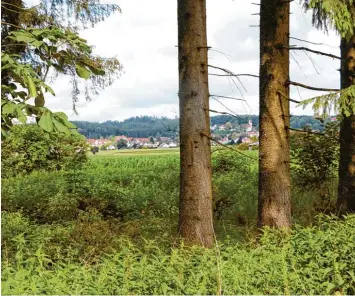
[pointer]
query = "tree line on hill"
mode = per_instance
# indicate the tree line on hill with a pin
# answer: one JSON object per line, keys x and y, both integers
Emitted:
{"x": 146, "y": 126}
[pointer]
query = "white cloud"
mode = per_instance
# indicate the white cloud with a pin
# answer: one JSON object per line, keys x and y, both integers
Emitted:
{"x": 144, "y": 39}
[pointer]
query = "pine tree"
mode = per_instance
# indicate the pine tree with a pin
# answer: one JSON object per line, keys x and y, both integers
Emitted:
{"x": 274, "y": 208}
{"x": 195, "y": 216}
{"x": 340, "y": 14}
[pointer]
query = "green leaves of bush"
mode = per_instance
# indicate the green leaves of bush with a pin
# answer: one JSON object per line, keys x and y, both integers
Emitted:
{"x": 313, "y": 260}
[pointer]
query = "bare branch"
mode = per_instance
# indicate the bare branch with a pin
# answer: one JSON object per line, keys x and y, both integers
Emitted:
{"x": 235, "y": 150}
{"x": 218, "y": 101}
{"x": 312, "y": 61}
{"x": 223, "y": 113}
{"x": 311, "y": 87}
{"x": 306, "y": 131}
{"x": 286, "y": 97}
{"x": 313, "y": 51}
{"x": 227, "y": 56}
{"x": 226, "y": 97}
{"x": 314, "y": 43}
{"x": 234, "y": 75}
{"x": 9, "y": 24}
{"x": 299, "y": 66}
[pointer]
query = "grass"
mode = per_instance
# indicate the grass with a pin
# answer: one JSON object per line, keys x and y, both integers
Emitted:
{"x": 308, "y": 260}
{"x": 159, "y": 151}
{"x": 110, "y": 228}
{"x": 138, "y": 152}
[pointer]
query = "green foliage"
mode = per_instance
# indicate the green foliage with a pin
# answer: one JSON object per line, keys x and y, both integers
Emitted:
{"x": 122, "y": 144}
{"x": 83, "y": 231}
{"x": 339, "y": 14}
{"x": 317, "y": 159}
{"x": 28, "y": 148}
{"x": 315, "y": 260}
{"x": 125, "y": 188}
{"x": 40, "y": 44}
{"x": 234, "y": 187}
{"x": 336, "y": 102}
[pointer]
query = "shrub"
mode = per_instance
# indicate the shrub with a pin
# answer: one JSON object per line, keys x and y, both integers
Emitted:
{"x": 28, "y": 148}
{"x": 317, "y": 160}
{"x": 313, "y": 260}
{"x": 124, "y": 188}
{"x": 234, "y": 187}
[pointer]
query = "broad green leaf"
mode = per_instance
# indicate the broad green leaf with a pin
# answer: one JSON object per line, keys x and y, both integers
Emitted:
{"x": 37, "y": 43}
{"x": 31, "y": 86}
{"x": 61, "y": 115}
{"x": 64, "y": 119}
{"x": 82, "y": 71}
{"x": 8, "y": 108}
{"x": 4, "y": 57}
{"x": 22, "y": 36}
{"x": 39, "y": 100}
{"x": 20, "y": 115}
{"x": 46, "y": 122}
{"x": 49, "y": 89}
{"x": 70, "y": 125}
{"x": 60, "y": 126}
{"x": 97, "y": 71}
{"x": 21, "y": 94}
{"x": 39, "y": 32}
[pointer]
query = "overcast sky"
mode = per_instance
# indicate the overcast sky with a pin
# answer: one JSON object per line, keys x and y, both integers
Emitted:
{"x": 144, "y": 38}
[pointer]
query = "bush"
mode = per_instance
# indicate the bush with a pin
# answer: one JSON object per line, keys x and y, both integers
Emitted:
{"x": 125, "y": 188}
{"x": 317, "y": 161}
{"x": 28, "y": 148}
{"x": 313, "y": 260}
{"x": 234, "y": 187}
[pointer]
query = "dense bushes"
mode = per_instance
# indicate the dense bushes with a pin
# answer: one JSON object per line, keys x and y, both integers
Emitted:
{"x": 317, "y": 158}
{"x": 129, "y": 188}
{"x": 313, "y": 260}
{"x": 28, "y": 148}
{"x": 235, "y": 186}
{"x": 84, "y": 231}
{"x": 124, "y": 188}
{"x": 136, "y": 187}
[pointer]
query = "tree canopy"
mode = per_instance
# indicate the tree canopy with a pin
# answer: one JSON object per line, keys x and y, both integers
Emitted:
{"x": 43, "y": 41}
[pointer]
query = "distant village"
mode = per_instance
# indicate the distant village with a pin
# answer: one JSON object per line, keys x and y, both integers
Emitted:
{"x": 124, "y": 142}
{"x": 227, "y": 134}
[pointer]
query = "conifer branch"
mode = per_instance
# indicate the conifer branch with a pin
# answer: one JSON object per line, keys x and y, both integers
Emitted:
{"x": 234, "y": 75}
{"x": 311, "y": 87}
{"x": 313, "y": 51}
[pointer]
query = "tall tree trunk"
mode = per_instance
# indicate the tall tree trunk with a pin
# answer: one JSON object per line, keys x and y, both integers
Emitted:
{"x": 346, "y": 189}
{"x": 195, "y": 218}
{"x": 274, "y": 155}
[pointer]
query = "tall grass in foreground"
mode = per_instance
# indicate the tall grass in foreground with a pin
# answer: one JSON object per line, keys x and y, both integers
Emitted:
{"x": 312, "y": 260}
{"x": 110, "y": 228}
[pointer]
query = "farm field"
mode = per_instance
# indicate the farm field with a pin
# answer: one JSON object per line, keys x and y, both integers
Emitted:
{"x": 137, "y": 152}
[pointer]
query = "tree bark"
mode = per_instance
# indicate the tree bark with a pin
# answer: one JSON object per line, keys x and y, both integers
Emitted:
{"x": 195, "y": 216}
{"x": 346, "y": 189}
{"x": 274, "y": 208}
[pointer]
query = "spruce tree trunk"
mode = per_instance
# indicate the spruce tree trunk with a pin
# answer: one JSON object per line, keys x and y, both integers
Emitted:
{"x": 195, "y": 217}
{"x": 274, "y": 199}
{"x": 346, "y": 189}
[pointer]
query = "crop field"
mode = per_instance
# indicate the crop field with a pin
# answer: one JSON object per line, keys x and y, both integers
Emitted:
{"x": 137, "y": 152}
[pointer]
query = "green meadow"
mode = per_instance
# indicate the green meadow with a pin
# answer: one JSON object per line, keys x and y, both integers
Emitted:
{"x": 110, "y": 227}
